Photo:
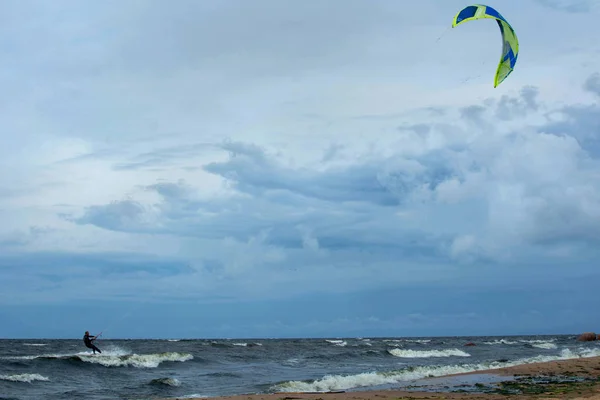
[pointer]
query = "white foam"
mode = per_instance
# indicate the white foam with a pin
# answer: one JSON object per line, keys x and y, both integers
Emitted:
{"x": 428, "y": 353}
{"x": 501, "y": 341}
{"x": 34, "y": 344}
{"x": 242, "y": 344}
{"x": 341, "y": 343}
{"x": 27, "y": 378}
{"x": 545, "y": 345}
{"x": 537, "y": 340}
{"x": 136, "y": 360}
{"x": 116, "y": 357}
{"x": 341, "y": 382}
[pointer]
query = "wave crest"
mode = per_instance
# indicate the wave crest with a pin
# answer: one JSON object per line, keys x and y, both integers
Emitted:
{"x": 403, "y": 353}
{"x": 115, "y": 358}
{"x": 136, "y": 360}
{"x": 344, "y": 382}
{"x": 166, "y": 381}
{"x": 27, "y": 378}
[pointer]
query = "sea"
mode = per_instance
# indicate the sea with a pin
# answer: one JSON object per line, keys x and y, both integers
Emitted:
{"x": 180, "y": 368}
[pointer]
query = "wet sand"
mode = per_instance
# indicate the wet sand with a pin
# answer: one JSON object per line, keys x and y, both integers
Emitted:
{"x": 566, "y": 379}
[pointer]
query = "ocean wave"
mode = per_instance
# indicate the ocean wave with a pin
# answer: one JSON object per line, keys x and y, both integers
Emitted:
{"x": 533, "y": 342}
{"x": 234, "y": 344}
{"x": 223, "y": 375}
{"x": 35, "y": 344}
{"x": 26, "y": 378}
{"x": 544, "y": 345}
{"x": 346, "y": 353}
{"x": 428, "y": 353}
{"x": 406, "y": 340}
{"x": 137, "y": 360}
{"x": 242, "y": 344}
{"x": 366, "y": 379}
{"x": 340, "y": 343}
{"x": 219, "y": 344}
{"x": 500, "y": 341}
{"x": 537, "y": 340}
{"x": 115, "y": 358}
{"x": 166, "y": 381}
{"x": 291, "y": 361}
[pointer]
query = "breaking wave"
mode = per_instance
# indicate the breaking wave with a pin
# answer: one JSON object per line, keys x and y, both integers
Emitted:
{"x": 243, "y": 344}
{"x": 366, "y": 379}
{"x": 428, "y": 353}
{"x": 544, "y": 345}
{"x": 501, "y": 341}
{"x": 116, "y": 358}
{"x": 27, "y": 378}
{"x": 137, "y": 360}
{"x": 340, "y": 343}
{"x": 166, "y": 381}
{"x": 537, "y": 340}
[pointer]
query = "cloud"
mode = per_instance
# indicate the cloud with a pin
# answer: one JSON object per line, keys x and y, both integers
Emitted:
{"x": 119, "y": 215}
{"x": 250, "y": 171}
{"x": 19, "y": 237}
{"x": 58, "y": 277}
{"x": 581, "y": 121}
{"x": 229, "y": 154}
{"x": 164, "y": 158}
{"x": 469, "y": 201}
{"x": 448, "y": 201}
{"x": 510, "y": 107}
{"x": 571, "y": 6}
{"x": 592, "y": 84}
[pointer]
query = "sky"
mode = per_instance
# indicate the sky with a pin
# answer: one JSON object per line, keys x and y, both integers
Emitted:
{"x": 268, "y": 169}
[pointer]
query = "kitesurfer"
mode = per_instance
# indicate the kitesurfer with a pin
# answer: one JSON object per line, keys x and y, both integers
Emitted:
{"x": 87, "y": 339}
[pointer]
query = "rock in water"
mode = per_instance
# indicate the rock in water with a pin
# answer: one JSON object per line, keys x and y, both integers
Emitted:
{"x": 587, "y": 337}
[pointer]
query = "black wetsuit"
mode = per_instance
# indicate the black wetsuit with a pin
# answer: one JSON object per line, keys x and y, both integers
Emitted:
{"x": 89, "y": 344}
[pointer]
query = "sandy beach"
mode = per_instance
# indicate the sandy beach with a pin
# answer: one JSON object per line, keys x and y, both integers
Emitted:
{"x": 566, "y": 379}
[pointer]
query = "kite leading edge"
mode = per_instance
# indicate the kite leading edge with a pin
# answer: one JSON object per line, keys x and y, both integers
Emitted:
{"x": 510, "y": 43}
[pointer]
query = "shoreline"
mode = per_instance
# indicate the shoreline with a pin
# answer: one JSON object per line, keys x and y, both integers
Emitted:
{"x": 577, "y": 378}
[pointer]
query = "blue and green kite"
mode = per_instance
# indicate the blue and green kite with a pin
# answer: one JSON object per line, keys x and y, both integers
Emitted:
{"x": 510, "y": 43}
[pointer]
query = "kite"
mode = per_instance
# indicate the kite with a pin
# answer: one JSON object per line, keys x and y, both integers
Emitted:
{"x": 510, "y": 43}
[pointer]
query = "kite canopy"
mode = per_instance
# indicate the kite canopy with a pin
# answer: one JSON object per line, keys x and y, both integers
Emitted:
{"x": 510, "y": 43}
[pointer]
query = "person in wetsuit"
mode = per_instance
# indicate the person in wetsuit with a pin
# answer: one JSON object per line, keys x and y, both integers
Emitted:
{"x": 87, "y": 340}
